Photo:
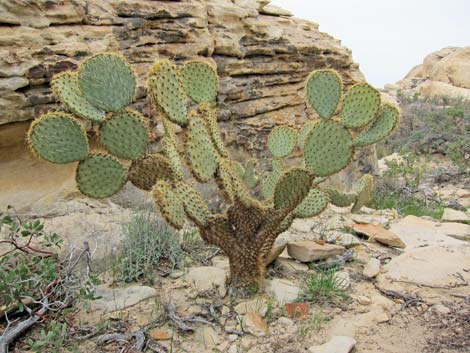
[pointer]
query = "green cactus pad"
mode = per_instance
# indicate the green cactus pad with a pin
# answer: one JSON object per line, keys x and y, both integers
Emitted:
{"x": 100, "y": 176}
{"x": 194, "y": 205}
{"x": 144, "y": 173}
{"x": 125, "y": 135}
{"x": 328, "y": 148}
{"x": 225, "y": 177}
{"x": 249, "y": 177}
{"x": 293, "y": 186}
{"x": 364, "y": 193}
{"x": 58, "y": 138}
{"x": 270, "y": 181}
{"x": 208, "y": 113}
{"x": 360, "y": 106}
{"x": 239, "y": 169}
{"x": 286, "y": 223}
{"x": 339, "y": 198}
{"x": 200, "y": 81}
{"x": 107, "y": 81}
{"x": 201, "y": 155}
{"x": 324, "y": 92}
{"x": 383, "y": 125}
{"x": 304, "y": 132}
{"x": 282, "y": 141}
{"x": 173, "y": 157}
{"x": 65, "y": 87}
{"x": 170, "y": 205}
{"x": 165, "y": 88}
{"x": 313, "y": 204}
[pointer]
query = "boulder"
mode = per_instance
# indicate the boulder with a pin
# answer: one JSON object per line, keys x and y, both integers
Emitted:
{"x": 451, "y": 215}
{"x": 309, "y": 250}
{"x": 372, "y": 268}
{"x": 283, "y": 290}
{"x": 337, "y": 344}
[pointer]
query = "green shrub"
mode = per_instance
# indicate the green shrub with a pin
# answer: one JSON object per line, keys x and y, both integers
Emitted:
{"x": 148, "y": 243}
{"x": 323, "y": 287}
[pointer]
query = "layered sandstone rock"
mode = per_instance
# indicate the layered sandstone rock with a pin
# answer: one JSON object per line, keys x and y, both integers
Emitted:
{"x": 445, "y": 73}
{"x": 263, "y": 56}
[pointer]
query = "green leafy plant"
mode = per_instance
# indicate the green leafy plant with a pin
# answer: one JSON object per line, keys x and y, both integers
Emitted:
{"x": 104, "y": 85}
{"x": 323, "y": 287}
{"x": 148, "y": 244}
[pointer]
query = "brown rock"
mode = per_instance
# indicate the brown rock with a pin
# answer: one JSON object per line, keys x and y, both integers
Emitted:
{"x": 379, "y": 234}
{"x": 255, "y": 324}
{"x": 308, "y": 250}
{"x": 159, "y": 335}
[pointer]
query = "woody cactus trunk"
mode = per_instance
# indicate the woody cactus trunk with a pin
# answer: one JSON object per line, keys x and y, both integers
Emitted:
{"x": 103, "y": 86}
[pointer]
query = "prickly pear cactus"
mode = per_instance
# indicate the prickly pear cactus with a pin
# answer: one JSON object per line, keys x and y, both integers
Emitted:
{"x": 103, "y": 87}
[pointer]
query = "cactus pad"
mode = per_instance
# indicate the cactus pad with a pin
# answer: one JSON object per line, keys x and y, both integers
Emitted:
{"x": 382, "y": 126}
{"x": 249, "y": 177}
{"x": 200, "y": 81}
{"x": 293, "y": 186}
{"x": 100, "y": 176}
{"x": 170, "y": 205}
{"x": 339, "y": 198}
{"x": 324, "y": 92}
{"x": 200, "y": 151}
{"x": 360, "y": 105}
{"x": 65, "y": 87}
{"x": 208, "y": 113}
{"x": 107, "y": 81}
{"x": 173, "y": 157}
{"x": 314, "y": 203}
{"x": 282, "y": 140}
{"x": 364, "y": 193}
{"x": 144, "y": 173}
{"x": 58, "y": 138}
{"x": 328, "y": 148}
{"x": 270, "y": 181}
{"x": 304, "y": 132}
{"x": 125, "y": 135}
{"x": 165, "y": 88}
{"x": 195, "y": 207}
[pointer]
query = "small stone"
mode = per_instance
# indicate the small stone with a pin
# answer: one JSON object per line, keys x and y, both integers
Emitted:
{"x": 337, "y": 344}
{"x": 255, "y": 324}
{"x": 285, "y": 321}
{"x": 372, "y": 268}
{"x": 232, "y": 338}
{"x": 451, "y": 215}
{"x": 233, "y": 349}
{"x": 363, "y": 300}
{"x": 223, "y": 346}
{"x": 176, "y": 274}
{"x": 284, "y": 291}
{"x": 308, "y": 250}
{"x": 343, "y": 281}
{"x": 381, "y": 317}
{"x": 440, "y": 309}
{"x": 247, "y": 342}
{"x": 462, "y": 193}
{"x": 208, "y": 336}
{"x": 290, "y": 265}
{"x": 225, "y": 310}
{"x": 370, "y": 219}
{"x": 159, "y": 335}
{"x": 257, "y": 305}
{"x": 379, "y": 234}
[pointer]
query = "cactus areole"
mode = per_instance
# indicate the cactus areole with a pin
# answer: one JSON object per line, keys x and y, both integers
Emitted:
{"x": 101, "y": 90}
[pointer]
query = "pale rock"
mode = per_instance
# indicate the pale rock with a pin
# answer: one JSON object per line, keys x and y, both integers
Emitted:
{"x": 115, "y": 299}
{"x": 451, "y": 215}
{"x": 285, "y": 322}
{"x": 254, "y": 324}
{"x": 363, "y": 300}
{"x": 372, "y": 268}
{"x": 337, "y": 344}
{"x": 462, "y": 193}
{"x": 233, "y": 349}
{"x": 440, "y": 309}
{"x": 232, "y": 338}
{"x": 370, "y": 219}
{"x": 302, "y": 225}
{"x": 207, "y": 278}
{"x": 417, "y": 232}
{"x": 379, "y": 234}
{"x": 290, "y": 265}
{"x": 274, "y": 10}
{"x": 343, "y": 281}
{"x": 221, "y": 262}
{"x": 247, "y": 342}
{"x": 284, "y": 291}
{"x": 342, "y": 238}
{"x": 176, "y": 274}
{"x": 207, "y": 336}
{"x": 223, "y": 347}
{"x": 257, "y": 305}
{"x": 309, "y": 250}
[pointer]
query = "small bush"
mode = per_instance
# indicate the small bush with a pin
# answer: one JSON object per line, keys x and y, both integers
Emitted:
{"x": 148, "y": 244}
{"x": 323, "y": 287}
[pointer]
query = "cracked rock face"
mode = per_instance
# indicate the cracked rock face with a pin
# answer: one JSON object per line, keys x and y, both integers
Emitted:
{"x": 263, "y": 55}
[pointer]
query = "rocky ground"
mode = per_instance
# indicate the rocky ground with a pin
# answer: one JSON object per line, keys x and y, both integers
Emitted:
{"x": 405, "y": 282}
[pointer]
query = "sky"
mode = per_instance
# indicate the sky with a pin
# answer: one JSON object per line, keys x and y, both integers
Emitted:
{"x": 388, "y": 37}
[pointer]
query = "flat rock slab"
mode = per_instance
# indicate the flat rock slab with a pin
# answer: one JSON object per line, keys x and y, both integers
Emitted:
{"x": 415, "y": 231}
{"x": 115, "y": 299}
{"x": 433, "y": 265}
{"x": 308, "y": 250}
{"x": 337, "y": 344}
{"x": 451, "y": 215}
{"x": 380, "y": 235}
